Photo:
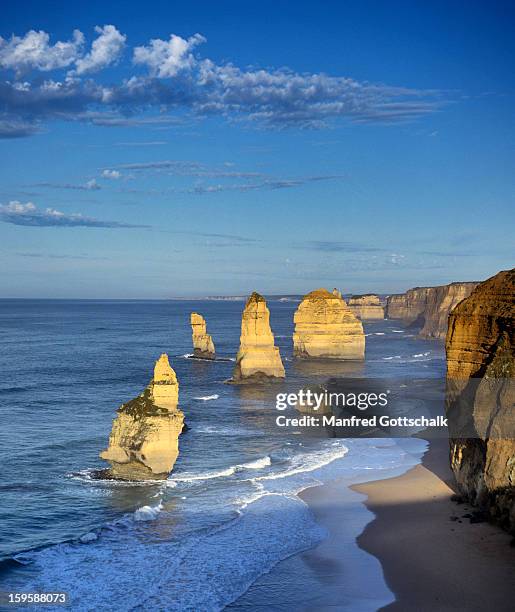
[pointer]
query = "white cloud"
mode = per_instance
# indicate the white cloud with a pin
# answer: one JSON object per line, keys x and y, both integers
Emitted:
{"x": 105, "y": 50}
{"x": 166, "y": 58}
{"x": 111, "y": 174}
{"x": 178, "y": 83}
{"x": 92, "y": 185}
{"x": 28, "y": 214}
{"x": 34, "y": 51}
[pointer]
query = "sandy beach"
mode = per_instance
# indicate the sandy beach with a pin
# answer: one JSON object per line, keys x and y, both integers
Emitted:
{"x": 432, "y": 558}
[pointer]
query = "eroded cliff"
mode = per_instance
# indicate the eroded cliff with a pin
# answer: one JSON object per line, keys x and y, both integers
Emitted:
{"x": 480, "y": 396}
{"x": 325, "y": 327}
{"x": 258, "y": 358}
{"x": 439, "y": 304}
{"x": 428, "y": 308}
{"x": 407, "y": 306}
{"x": 144, "y": 440}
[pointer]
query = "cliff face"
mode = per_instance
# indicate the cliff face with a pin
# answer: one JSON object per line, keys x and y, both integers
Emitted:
{"x": 480, "y": 350}
{"x": 366, "y": 307}
{"x": 325, "y": 327}
{"x": 407, "y": 306}
{"x": 144, "y": 440}
{"x": 203, "y": 346}
{"x": 428, "y": 306}
{"x": 440, "y": 302}
{"x": 258, "y": 357}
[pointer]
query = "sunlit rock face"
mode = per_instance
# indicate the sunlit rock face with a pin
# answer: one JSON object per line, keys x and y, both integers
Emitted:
{"x": 480, "y": 349}
{"x": 325, "y": 327}
{"x": 428, "y": 307}
{"x": 258, "y": 357}
{"x": 407, "y": 306}
{"x": 367, "y": 307}
{"x": 439, "y": 304}
{"x": 144, "y": 440}
{"x": 203, "y": 346}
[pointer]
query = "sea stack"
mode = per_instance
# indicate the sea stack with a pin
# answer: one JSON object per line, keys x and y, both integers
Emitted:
{"x": 367, "y": 307}
{"x": 144, "y": 440}
{"x": 480, "y": 349}
{"x": 203, "y": 346}
{"x": 258, "y": 358}
{"x": 325, "y": 327}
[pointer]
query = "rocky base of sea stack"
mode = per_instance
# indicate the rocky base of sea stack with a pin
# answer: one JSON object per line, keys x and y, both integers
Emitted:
{"x": 198, "y": 354}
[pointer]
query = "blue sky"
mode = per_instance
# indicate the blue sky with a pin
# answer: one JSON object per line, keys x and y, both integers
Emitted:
{"x": 218, "y": 148}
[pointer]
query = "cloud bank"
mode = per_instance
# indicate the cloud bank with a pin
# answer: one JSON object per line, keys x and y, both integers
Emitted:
{"x": 166, "y": 80}
{"x": 28, "y": 214}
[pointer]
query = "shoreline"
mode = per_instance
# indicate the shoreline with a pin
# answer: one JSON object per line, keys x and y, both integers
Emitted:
{"x": 419, "y": 557}
{"x": 432, "y": 557}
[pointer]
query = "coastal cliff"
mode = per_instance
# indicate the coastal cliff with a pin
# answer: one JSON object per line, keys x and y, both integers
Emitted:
{"x": 428, "y": 307}
{"x": 366, "y": 307}
{"x": 325, "y": 327}
{"x": 439, "y": 304}
{"x": 407, "y": 306}
{"x": 258, "y": 358}
{"x": 480, "y": 349}
{"x": 203, "y": 346}
{"x": 144, "y": 440}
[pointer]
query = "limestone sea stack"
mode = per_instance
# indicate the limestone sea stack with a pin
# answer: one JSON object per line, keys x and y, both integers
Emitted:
{"x": 480, "y": 349}
{"x": 258, "y": 358}
{"x": 325, "y": 327}
{"x": 439, "y": 304}
{"x": 367, "y": 307}
{"x": 203, "y": 346}
{"x": 144, "y": 440}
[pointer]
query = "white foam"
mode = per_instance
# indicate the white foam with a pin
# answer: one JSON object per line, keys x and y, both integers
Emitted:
{"x": 148, "y": 513}
{"x": 88, "y": 537}
{"x": 308, "y": 462}
{"x": 257, "y": 464}
{"x": 207, "y": 398}
{"x": 397, "y": 331}
{"x": 379, "y": 334}
{"x": 251, "y": 465}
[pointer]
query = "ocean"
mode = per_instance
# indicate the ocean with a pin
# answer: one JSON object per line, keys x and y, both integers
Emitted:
{"x": 230, "y": 510}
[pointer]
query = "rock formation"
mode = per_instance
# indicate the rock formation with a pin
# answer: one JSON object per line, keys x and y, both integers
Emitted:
{"x": 428, "y": 307}
{"x": 367, "y": 307}
{"x": 407, "y": 306}
{"x": 440, "y": 302}
{"x": 480, "y": 348}
{"x": 144, "y": 440}
{"x": 337, "y": 293}
{"x": 258, "y": 357}
{"x": 203, "y": 346}
{"x": 325, "y": 327}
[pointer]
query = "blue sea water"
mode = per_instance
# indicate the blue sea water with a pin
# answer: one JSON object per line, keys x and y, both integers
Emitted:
{"x": 229, "y": 511}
